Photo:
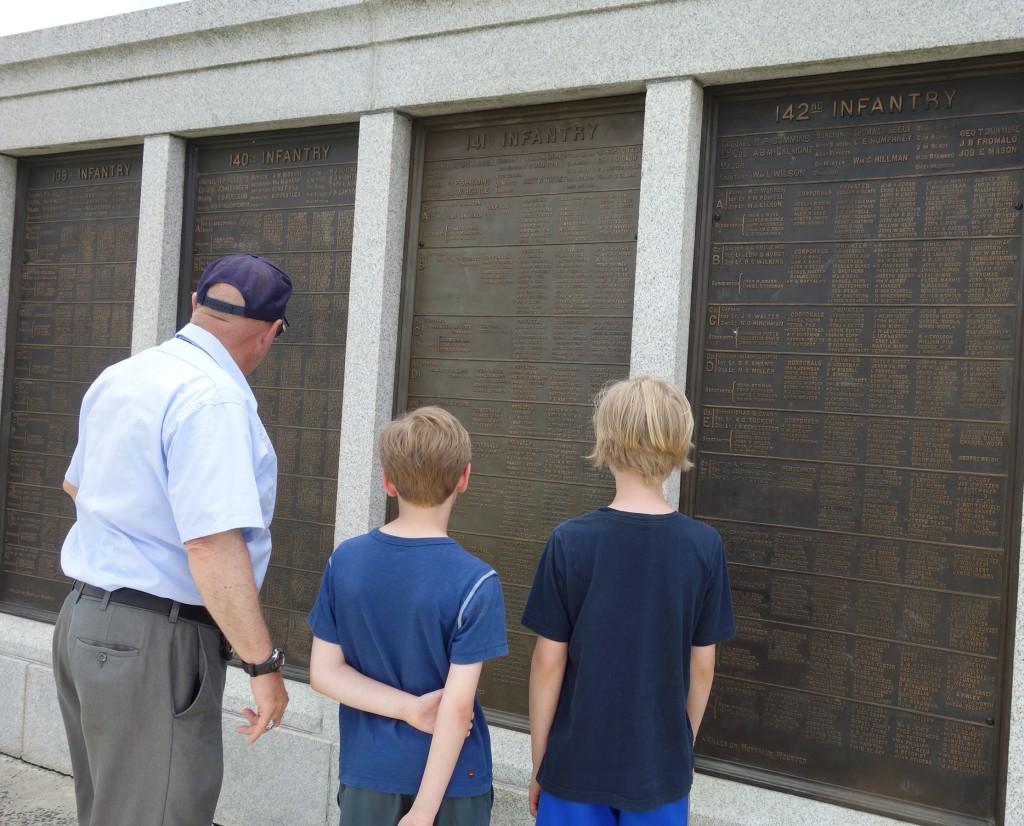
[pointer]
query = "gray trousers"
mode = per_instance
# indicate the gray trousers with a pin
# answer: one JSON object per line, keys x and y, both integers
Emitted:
{"x": 141, "y": 700}
{"x": 363, "y": 807}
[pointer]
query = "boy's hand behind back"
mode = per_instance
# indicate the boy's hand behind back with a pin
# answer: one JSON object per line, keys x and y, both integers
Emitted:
{"x": 422, "y": 712}
{"x": 413, "y": 819}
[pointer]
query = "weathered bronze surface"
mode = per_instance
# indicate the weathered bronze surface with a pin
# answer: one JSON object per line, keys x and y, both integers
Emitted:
{"x": 70, "y": 316}
{"x": 519, "y": 302}
{"x": 289, "y": 197}
{"x": 857, "y": 391}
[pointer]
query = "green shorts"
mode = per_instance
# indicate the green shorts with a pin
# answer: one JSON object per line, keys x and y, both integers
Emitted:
{"x": 362, "y": 806}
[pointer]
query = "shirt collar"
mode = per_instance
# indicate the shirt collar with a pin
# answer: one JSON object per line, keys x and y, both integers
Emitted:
{"x": 210, "y": 344}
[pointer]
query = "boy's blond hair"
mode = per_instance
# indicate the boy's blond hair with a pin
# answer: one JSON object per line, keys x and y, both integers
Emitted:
{"x": 643, "y": 424}
{"x": 424, "y": 453}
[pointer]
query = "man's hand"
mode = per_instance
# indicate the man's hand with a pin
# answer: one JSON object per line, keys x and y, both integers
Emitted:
{"x": 222, "y": 571}
{"x": 271, "y": 700}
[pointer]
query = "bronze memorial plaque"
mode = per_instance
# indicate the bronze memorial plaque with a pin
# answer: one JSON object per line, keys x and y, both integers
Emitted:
{"x": 289, "y": 197}
{"x": 518, "y": 309}
{"x": 69, "y": 317}
{"x": 857, "y": 386}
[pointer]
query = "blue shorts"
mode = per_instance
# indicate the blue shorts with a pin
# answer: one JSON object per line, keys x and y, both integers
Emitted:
{"x": 553, "y": 811}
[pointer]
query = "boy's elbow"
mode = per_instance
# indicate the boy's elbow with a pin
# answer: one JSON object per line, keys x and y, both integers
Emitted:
{"x": 316, "y": 680}
{"x": 459, "y": 697}
{"x": 455, "y": 717}
{"x": 549, "y": 657}
{"x": 702, "y": 663}
{"x": 460, "y": 705}
{"x": 545, "y": 670}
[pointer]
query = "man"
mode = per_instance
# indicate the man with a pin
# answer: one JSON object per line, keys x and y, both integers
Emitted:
{"x": 174, "y": 481}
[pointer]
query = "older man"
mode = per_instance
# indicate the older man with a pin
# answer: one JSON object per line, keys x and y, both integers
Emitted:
{"x": 174, "y": 480}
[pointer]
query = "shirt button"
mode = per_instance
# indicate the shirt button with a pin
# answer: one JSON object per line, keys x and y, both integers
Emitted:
{"x": 472, "y": 773}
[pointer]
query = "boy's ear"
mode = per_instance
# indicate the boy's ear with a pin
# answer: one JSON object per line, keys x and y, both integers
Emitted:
{"x": 463, "y": 480}
{"x": 389, "y": 488}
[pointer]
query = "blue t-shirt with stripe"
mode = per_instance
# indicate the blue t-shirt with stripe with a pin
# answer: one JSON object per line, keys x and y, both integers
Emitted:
{"x": 402, "y": 611}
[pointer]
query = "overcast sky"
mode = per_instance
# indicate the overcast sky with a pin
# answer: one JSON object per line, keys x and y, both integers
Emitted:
{"x": 26, "y": 15}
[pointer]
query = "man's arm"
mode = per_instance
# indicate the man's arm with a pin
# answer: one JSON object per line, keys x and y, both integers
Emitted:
{"x": 332, "y": 676}
{"x": 454, "y": 716}
{"x": 546, "y": 673}
{"x": 70, "y": 490}
{"x": 222, "y": 571}
{"x": 702, "y": 672}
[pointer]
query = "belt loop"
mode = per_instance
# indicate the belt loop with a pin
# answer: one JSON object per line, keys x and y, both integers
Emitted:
{"x": 105, "y": 601}
{"x": 78, "y": 589}
{"x": 175, "y": 608}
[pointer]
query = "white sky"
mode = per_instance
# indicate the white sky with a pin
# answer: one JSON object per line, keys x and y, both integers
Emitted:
{"x": 27, "y": 15}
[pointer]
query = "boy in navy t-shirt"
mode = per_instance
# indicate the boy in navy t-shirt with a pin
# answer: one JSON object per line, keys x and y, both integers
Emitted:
{"x": 629, "y": 602}
{"x": 402, "y": 625}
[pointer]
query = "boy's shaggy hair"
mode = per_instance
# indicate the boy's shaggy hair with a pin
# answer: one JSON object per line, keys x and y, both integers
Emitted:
{"x": 424, "y": 452}
{"x": 643, "y": 424}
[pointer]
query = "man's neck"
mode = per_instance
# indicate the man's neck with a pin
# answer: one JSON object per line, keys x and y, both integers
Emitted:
{"x": 233, "y": 335}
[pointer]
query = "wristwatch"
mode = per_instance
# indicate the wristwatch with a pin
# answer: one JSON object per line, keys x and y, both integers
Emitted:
{"x": 272, "y": 663}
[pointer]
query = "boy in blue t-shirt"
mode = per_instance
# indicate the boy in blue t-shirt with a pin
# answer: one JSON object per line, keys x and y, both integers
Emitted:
{"x": 629, "y": 602}
{"x": 403, "y": 622}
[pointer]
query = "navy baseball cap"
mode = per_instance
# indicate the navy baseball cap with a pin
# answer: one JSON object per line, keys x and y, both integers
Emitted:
{"x": 265, "y": 287}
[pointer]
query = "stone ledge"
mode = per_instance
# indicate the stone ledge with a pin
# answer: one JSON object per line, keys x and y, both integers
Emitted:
{"x": 13, "y": 680}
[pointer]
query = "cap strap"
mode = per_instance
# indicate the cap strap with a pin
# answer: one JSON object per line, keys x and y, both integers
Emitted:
{"x": 224, "y": 307}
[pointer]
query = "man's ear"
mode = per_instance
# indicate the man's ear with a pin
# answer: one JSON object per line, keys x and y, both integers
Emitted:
{"x": 463, "y": 480}
{"x": 195, "y": 301}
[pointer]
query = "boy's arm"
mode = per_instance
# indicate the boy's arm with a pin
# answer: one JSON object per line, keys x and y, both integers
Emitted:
{"x": 546, "y": 673}
{"x": 702, "y": 672}
{"x": 453, "y": 718}
{"x": 332, "y": 676}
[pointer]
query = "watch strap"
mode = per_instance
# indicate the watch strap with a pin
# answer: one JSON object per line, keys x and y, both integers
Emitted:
{"x": 273, "y": 663}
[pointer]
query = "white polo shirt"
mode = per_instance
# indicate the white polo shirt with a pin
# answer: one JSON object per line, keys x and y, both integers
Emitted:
{"x": 170, "y": 448}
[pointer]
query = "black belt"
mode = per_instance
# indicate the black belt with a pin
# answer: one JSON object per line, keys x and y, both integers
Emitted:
{"x": 148, "y": 602}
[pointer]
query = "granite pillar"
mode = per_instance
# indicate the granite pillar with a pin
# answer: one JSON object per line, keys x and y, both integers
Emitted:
{"x": 378, "y": 239}
{"x": 157, "y": 265}
{"x": 1015, "y": 756}
{"x": 8, "y": 198}
{"x": 665, "y": 242}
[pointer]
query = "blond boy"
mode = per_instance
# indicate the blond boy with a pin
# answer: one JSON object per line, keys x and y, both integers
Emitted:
{"x": 629, "y": 602}
{"x": 403, "y": 613}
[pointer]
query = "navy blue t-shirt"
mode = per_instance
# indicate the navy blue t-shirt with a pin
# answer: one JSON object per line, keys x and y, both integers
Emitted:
{"x": 402, "y": 611}
{"x": 630, "y": 593}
